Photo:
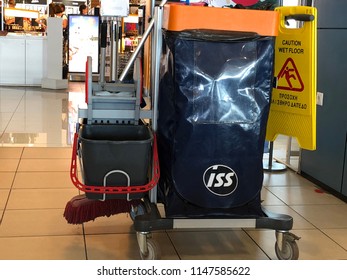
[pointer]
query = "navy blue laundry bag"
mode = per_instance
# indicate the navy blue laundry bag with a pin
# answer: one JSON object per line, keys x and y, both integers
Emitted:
{"x": 214, "y": 98}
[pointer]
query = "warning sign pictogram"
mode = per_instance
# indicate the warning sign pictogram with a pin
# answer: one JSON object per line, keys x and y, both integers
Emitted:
{"x": 289, "y": 78}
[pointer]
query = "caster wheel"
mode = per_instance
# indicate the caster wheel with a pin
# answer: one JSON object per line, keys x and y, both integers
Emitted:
{"x": 153, "y": 251}
{"x": 290, "y": 250}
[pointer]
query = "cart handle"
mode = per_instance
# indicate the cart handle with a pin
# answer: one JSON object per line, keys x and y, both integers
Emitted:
{"x": 114, "y": 189}
{"x": 300, "y": 17}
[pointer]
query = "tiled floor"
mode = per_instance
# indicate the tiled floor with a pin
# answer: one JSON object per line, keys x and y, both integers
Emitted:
{"x": 35, "y": 154}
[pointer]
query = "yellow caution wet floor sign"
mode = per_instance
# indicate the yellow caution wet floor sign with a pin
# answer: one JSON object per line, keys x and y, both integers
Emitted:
{"x": 293, "y": 102}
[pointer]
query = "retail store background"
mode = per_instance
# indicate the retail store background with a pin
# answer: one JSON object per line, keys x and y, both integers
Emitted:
{"x": 35, "y": 153}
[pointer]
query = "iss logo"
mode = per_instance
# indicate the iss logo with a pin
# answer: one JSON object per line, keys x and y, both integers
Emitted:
{"x": 220, "y": 180}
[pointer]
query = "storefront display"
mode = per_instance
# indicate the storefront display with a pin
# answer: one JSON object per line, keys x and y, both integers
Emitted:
{"x": 83, "y": 42}
{"x": 83, "y": 38}
{"x": 22, "y": 19}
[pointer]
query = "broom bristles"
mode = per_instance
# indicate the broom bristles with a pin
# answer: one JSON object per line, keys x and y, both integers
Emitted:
{"x": 81, "y": 209}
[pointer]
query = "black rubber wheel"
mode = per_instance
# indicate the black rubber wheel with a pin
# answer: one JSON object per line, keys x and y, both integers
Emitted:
{"x": 153, "y": 251}
{"x": 290, "y": 250}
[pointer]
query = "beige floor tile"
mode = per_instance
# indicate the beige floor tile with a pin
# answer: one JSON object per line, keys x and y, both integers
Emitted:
{"x": 304, "y": 195}
{"x": 265, "y": 239}
{"x": 338, "y": 235}
{"x": 269, "y": 198}
{"x": 3, "y": 198}
{"x": 313, "y": 245}
{"x": 125, "y": 247}
{"x": 284, "y": 178}
{"x": 11, "y": 99}
{"x": 44, "y": 165}
{"x": 324, "y": 216}
{"x": 76, "y": 88}
{"x": 6, "y": 179}
{"x": 5, "y": 119}
{"x": 120, "y": 223}
{"x": 292, "y": 164}
{"x": 42, "y": 153}
{"x": 42, "y": 248}
{"x": 8, "y": 165}
{"x": 298, "y": 221}
{"x": 216, "y": 245}
{"x": 40, "y": 198}
{"x": 10, "y": 152}
{"x": 41, "y": 222}
{"x": 43, "y": 180}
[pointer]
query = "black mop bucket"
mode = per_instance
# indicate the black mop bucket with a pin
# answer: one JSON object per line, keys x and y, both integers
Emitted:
{"x": 214, "y": 99}
{"x": 115, "y": 155}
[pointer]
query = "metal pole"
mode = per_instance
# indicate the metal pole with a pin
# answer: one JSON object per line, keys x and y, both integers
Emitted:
{"x": 2, "y": 17}
{"x": 156, "y": 53}
{"x": 139, "y": 47}
{"x": 273, "y": 165}
{"x": 114, "y": 48}
{"x": 137, "y": 50}
{"x": 288, "y": 150}
{"x": 103, "y": 44}
{"x": 155, "y": 67}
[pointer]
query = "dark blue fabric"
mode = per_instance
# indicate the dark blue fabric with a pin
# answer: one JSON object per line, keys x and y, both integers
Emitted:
{"x": 214, "y": 102}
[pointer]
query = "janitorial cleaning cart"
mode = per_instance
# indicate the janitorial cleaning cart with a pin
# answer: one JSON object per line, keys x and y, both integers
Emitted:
{"x": 197, "y": 148}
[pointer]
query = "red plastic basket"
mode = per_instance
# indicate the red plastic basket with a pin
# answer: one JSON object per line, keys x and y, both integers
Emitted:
{"x": 114, "y": 189}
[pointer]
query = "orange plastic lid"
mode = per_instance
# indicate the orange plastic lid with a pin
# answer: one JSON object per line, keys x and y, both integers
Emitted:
{"x": 178, "y": 17}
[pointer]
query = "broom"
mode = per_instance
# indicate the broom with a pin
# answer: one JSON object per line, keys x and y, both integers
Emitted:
{"x": 81, "y": 209}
